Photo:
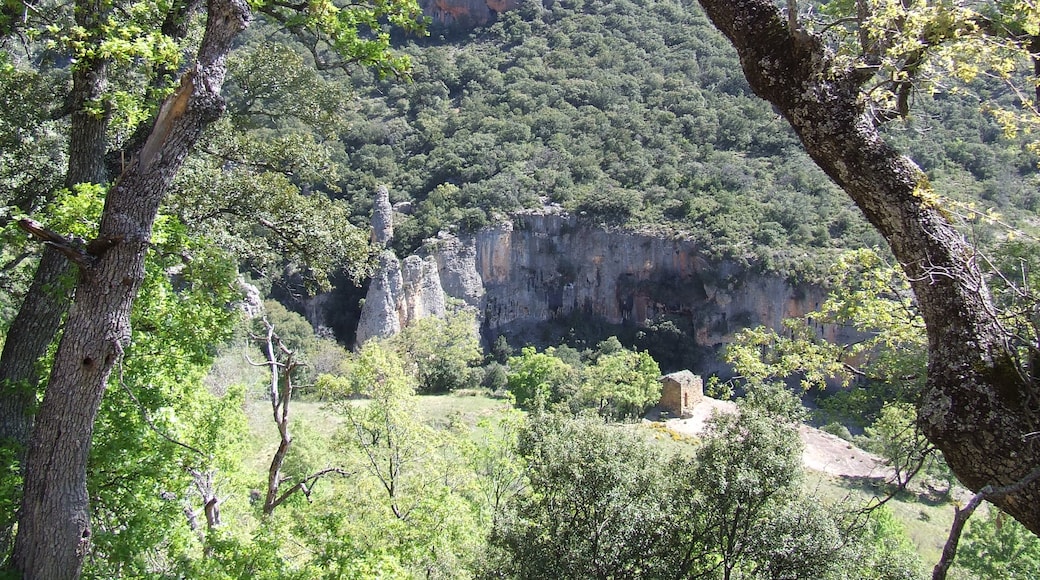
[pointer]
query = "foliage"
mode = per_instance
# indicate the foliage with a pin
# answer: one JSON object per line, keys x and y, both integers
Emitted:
{"x": 999, "y": 547}
{"x": 633, "y": 113}
{"x": 894, "y": 436}
{"x": 744, "y": 490}
{"x": 618, "y": 383}
{"x": 443, "y": 353}
{"x": 122, "y": 59}
{"x": 409, "y": 492}
{"x": 872, "y": 300}
{"x": 245, "y": 188}
{"x": 595, "y": 508}
{"x": 881, "y": 549}
{"x": 601, "y": 503}
{"x": 536, "y": 379}
{"x": 496, "y": 462}
{"x": 622, "y": 384}
{"x": 939, "y": 46}
{"x": 866, "y": 337}
{"x": 31, "y": 156}
{"x": 157, "y": 422}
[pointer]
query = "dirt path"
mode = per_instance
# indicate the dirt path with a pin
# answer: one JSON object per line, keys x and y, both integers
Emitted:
{"x": 823, "y": 452}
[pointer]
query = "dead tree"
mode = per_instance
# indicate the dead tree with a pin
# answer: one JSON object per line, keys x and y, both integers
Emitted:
{"x": 282, "y": 364}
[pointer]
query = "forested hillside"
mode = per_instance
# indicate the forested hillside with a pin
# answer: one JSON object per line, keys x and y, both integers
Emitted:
{"x": 165, "y": 166}
{"x": 636, "y": 113}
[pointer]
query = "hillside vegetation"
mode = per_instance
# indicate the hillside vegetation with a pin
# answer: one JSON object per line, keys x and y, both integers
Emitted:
{"x": 635, "y": 113}
{"x": 170, "y": 414}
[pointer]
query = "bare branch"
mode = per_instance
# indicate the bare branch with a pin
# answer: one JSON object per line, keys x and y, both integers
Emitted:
{"x": 961, "y": 516}
{"x": 72, "y": 248}
{"x": 306, "y": 485}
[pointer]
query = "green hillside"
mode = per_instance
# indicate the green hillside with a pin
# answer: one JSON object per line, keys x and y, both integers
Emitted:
{"x": 635, "y": 113}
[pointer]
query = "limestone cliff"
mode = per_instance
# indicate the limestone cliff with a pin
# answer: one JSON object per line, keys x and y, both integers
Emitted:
{"x": 543, "y": 277}
{"x": 464, "y": 14}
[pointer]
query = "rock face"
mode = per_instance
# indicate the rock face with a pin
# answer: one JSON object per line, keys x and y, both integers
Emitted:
{"x": 400, "y": 292}
{"x": 464, "y": 14}
{"x": 545, "y": 277}
{"x": 382, "y": 218}
{"x": 379, "y": 317}
{"x": 548, "y": 267}
{"x": 457, "y": 269}
{"x": 422, "y": 294}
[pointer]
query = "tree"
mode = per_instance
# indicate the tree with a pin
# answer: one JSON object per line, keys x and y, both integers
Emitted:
{"x": 622, "y": 384}
{"x": 538, "y": 378}
{"x": 54, "y": 527}
{"x": 410, "y": 480}
{"x": 998, "y": 547}
{"x": 743, "y": 491}
{"x": 282, "y": 366}
{"x": 602, "y": 503}
{"x": 595, "y": 507}
{"x": 442, "y": 353}
{"x": 980, "y": 398}
{"x": 161, "y": 439}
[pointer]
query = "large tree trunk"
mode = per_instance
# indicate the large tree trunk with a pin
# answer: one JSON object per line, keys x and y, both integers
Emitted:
{"x": 54, "y": 526}
{"x": 978, "y": 405}
{"x": 31, "y": 331}
{"x": 39, "y": 317}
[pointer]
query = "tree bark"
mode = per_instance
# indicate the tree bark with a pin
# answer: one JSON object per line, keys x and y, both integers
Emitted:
{"x": 31, "y": 332}
{"x": 54, "y": 527}
{"x": 39, "y": 317}
{"x": 978, "y": 404}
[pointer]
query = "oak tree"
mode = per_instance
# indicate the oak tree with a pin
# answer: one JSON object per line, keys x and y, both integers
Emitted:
{"x": 979, "y": 404}
{"x": 114, "y": 49}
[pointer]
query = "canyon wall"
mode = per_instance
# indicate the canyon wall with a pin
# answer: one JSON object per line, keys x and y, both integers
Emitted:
{"x": 464, "y": 15}
{"x": 545, "y": 277}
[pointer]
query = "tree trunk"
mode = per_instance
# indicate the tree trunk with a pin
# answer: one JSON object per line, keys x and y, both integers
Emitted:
{"x": 31, "y": 332}
{"x": 39, "y": 317}
{"x": 978, "y": 404}
{"x": 54, "y": 527}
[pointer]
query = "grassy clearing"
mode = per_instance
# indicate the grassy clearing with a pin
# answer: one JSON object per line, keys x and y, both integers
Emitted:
{"x": 927, "y": 524}
{"x": 323, "y": 420}
{"x": 468, "y": 407}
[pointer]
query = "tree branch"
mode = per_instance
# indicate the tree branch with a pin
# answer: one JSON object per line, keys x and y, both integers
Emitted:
{"x": 72, "y": 248}
{"x": 306, "y": 484}
{"x": 961, "y": 516}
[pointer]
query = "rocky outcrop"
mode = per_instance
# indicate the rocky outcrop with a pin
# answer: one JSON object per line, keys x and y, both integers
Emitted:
{"x": 252, "y": 303}
{"x": 379, "y": 313}
{"x": 544, "y": 277}
{"x": 422, "y": 294}
{"x": 382, "y": 218}
{"x": 464, "y": 14}
{"x": 457, "y": 269}
{"x": 402, "y": 292}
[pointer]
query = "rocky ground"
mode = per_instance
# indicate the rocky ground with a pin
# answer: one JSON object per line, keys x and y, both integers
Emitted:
{"x": 823, "y": 452}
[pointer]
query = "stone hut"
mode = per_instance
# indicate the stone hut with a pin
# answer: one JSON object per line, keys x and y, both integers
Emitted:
{"x": 680, "y": 393}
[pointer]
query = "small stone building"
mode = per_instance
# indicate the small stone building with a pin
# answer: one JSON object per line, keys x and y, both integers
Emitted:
{"x": 680, "y": 393}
